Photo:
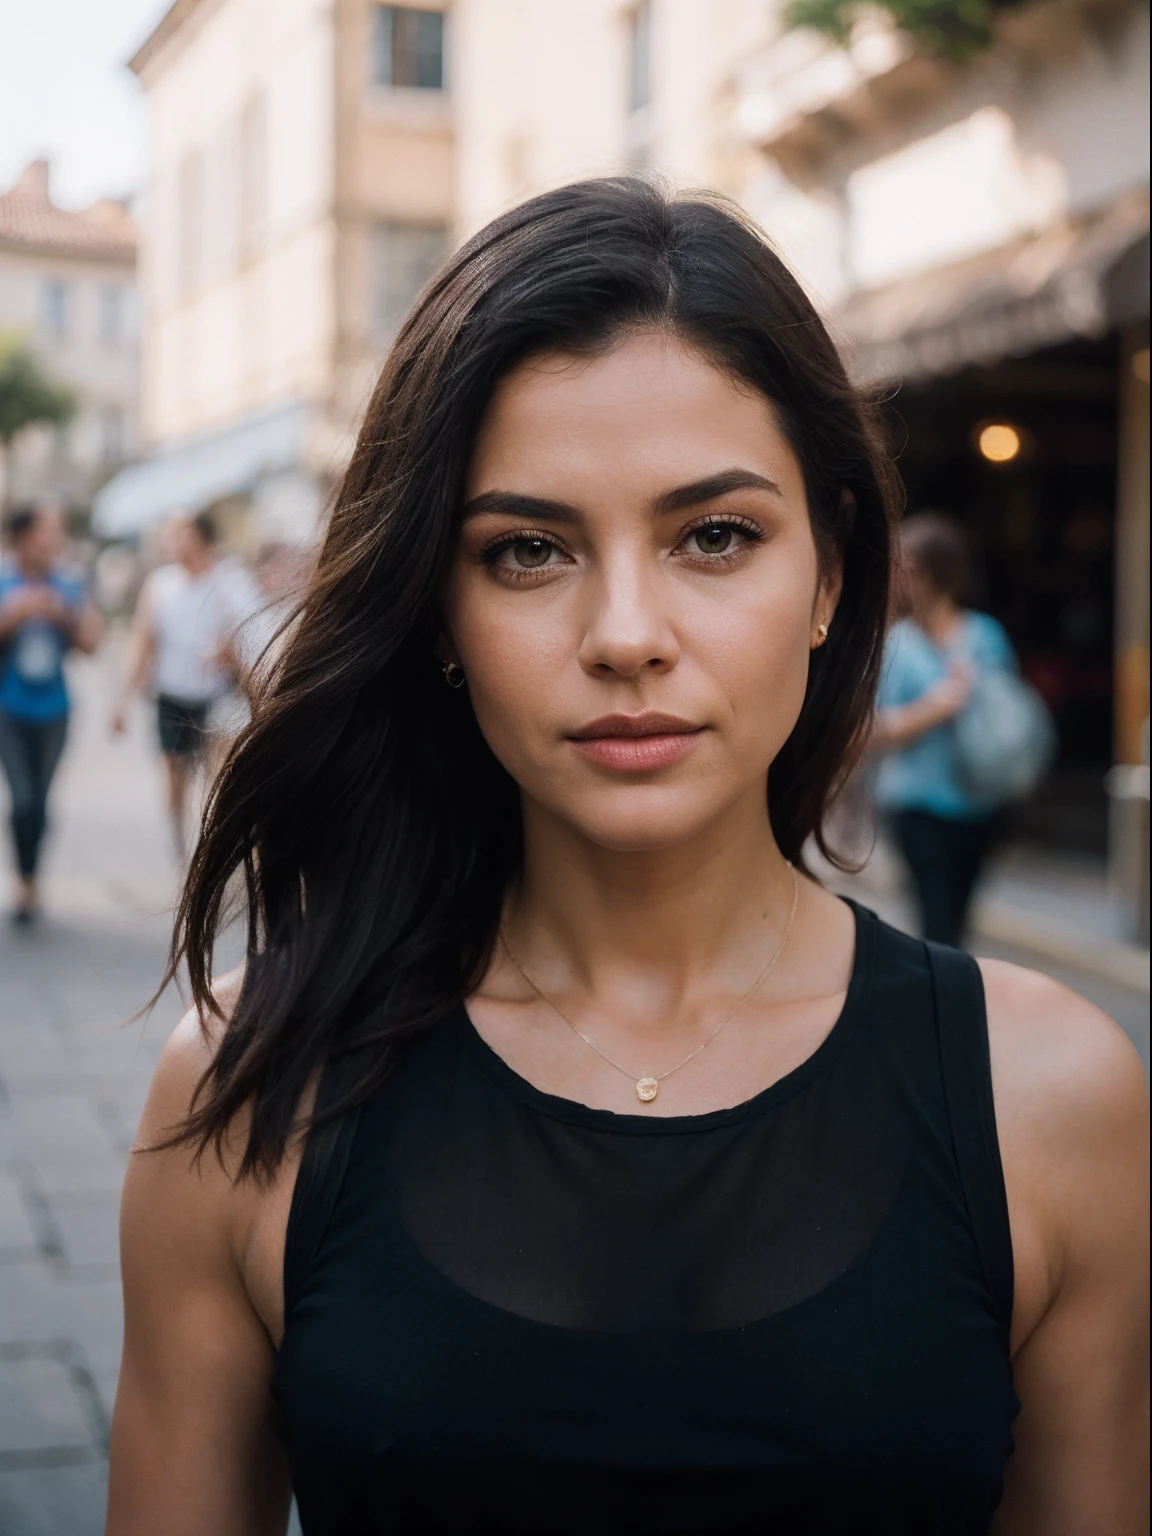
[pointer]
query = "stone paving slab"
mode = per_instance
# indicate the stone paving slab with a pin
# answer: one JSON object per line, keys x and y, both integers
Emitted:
{"x": 73, "y": 1075}
{"x": 54, "y": 1501}
{"x": 18, "y": 1241}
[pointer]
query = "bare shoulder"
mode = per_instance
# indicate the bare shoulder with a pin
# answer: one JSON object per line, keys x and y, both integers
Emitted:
{"x": 1053, "y": 1051}
{"x": 187, "y": 1056}
{"x": 1068, "y": 1080}
{"x": 177, "y": 1195}
{"x": 188, "y": 1202}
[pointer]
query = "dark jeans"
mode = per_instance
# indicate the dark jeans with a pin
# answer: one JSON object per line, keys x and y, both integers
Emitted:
{"x": 944, "y": 858}
{"x": 30, "y": 751}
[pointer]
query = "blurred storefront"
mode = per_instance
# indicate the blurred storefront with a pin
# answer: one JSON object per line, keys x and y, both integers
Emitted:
{"x": 980, "y": 235}
{"x": 1023, "y": 407}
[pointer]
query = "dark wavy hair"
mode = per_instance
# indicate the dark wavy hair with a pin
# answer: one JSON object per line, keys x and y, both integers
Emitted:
{"x": 374, "y": 830}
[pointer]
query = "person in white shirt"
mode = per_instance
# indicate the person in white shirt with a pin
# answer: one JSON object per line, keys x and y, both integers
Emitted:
{"x": 186, "y": 615}
{"x": 280, "y": 571}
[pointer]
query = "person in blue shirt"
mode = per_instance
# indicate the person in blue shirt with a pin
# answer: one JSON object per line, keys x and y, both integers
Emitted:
{"x": 43, "y": 613}
{"x": 942, "y": 829}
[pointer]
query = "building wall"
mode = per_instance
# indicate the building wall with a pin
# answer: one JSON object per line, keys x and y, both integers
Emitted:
{"x": 544, "y": 94}
{"x": 99, "y": 365}
{"x": 239, "y": 231}
{"x": 395, "y": 169}
{"x": 540, "y": 96}
{"x": 1052, "y": 124}
{"x": 1016, "y": 155}
{"x": 695, "y": 53}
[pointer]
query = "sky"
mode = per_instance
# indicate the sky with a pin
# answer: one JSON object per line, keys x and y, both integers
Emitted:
{"x": 66, "y": 95}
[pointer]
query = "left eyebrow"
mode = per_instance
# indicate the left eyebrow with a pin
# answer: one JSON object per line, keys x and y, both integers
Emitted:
{"x": 711, "y": 488}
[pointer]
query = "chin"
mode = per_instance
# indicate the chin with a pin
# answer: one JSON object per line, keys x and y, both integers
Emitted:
{"x": 645, "y": 819}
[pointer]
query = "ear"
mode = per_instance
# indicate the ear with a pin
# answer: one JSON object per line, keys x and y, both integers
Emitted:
{"x": 828, "y": 589}
{"x": 444, "y": 647}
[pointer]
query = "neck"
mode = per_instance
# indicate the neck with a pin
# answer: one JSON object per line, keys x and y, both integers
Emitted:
{"x": 619, "y": 924}
{"x": 939, "y": 617}
{"x": 32, "y": 570}
{"x": 196, "y": 565}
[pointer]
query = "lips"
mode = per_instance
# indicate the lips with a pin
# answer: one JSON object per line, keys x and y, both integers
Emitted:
{"x": 636, "y": 743}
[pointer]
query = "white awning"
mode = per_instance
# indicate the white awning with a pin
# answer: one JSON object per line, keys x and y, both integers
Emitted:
{"x": 188, "y": 476}
{"x": 1073, "y": 280}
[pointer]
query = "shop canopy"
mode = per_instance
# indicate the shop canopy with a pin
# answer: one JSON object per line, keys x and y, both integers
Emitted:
{"x": 188, "y": 476}
{"x": 1079, "y": 279}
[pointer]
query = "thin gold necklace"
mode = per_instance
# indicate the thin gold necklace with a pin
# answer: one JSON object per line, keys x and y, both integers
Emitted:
{"x": 647, "y": 1087}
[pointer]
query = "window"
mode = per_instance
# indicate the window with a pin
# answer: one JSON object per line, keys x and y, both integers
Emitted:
{"x": 57, "y": 308}
{"x": 112, "y": 434}
{"x": 404, "y": 257}
{"x": 408, "y": 48}
{"x": 253, "y": 173}
{"x": 191, "y": 226}
{"x": 641, "y": 60}
{"x": 112, "y": 315}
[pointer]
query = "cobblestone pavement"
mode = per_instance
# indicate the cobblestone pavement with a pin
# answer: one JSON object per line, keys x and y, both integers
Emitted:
{"x": 73, "y": 1074}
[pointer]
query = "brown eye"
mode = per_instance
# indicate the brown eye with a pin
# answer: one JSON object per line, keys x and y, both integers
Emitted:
{"x": 713, "y": 538}
{"x": 531, "y": 553}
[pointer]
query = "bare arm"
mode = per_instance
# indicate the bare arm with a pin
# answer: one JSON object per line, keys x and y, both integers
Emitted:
{"x": 1072, "y": 1111}
{"x": 87, "y": 628}
{"x": 18, "y": 607}
{"x": 193, "y": 1450}
{"x": 34, "y": 601}
{"x": 141, "y": 654}
{"x": 897, "y": 727}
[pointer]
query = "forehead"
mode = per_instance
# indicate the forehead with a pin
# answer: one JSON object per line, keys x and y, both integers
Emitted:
{"x": 651, "y": 405}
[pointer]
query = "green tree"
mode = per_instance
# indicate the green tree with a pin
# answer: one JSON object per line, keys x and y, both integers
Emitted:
{"x": 27, "y": 396}
{"x": 951, "y": 29}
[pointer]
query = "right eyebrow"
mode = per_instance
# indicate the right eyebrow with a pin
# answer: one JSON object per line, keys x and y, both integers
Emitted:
{"x": 512, "y": 504}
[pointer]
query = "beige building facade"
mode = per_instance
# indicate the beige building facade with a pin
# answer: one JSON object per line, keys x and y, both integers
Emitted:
{"x": 68, "y": 292}
{"x": 300, "y": 191}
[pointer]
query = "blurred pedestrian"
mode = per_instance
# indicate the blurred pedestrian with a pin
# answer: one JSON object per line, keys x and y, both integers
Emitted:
{"x": 251, "y": 648}
{"x": 944, "y": 829}
{"x": 186, "y": 613}
{"x": 44, "y": 613}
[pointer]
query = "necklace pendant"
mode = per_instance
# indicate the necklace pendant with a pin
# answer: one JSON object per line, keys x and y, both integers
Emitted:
{"x": 646, "y": 1089}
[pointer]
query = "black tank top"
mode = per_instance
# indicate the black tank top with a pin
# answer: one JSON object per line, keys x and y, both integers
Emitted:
{"x": 510, "y": 1312}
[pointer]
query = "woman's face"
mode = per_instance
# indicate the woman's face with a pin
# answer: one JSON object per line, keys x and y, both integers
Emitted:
{"x": 635, "y": 591}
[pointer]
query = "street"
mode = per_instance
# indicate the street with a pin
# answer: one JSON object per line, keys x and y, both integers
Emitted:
{"x": 73, "y": 1073}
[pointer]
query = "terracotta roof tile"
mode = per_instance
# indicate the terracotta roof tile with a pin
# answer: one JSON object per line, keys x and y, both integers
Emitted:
{"x": 30, "y": 220}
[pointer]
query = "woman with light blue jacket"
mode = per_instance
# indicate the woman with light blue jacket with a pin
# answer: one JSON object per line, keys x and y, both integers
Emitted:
{"x": 943, "y": 826}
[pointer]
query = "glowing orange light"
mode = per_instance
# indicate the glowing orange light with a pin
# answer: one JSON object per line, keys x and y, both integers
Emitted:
{"x": 998, "y": 442}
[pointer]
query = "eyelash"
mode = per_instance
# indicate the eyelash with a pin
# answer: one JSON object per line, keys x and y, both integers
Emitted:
{"x": 753, "y": 534}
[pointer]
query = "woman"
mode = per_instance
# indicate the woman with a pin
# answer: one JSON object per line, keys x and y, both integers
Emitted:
{"x": 44, "y": 613}
{"x": 941, "y": 827}
{"x": 631, "y": 1200}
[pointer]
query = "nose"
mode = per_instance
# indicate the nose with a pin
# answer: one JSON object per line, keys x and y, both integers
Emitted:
{"x": 627, "y": 628}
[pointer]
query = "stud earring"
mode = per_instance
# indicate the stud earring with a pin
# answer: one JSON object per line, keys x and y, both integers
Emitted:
{"x": 822, "y": 631}
{"x": 453, "y": 675}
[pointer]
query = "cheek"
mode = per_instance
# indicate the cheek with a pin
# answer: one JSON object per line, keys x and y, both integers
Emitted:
{"x": 755, "y": 643}
{"x": 513, "y": 653}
